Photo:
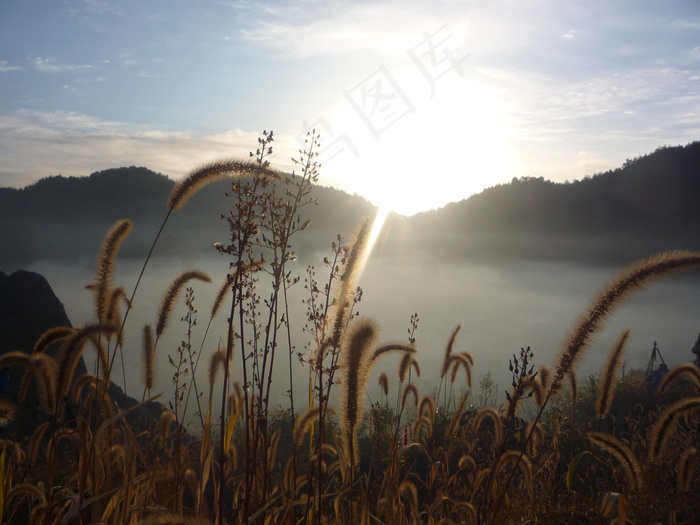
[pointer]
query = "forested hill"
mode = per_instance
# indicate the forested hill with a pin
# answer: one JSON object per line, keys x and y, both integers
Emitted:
{"x": 651, "y": 203}
{"x": 139, "y": 193}
{"x": 65, "y": 218}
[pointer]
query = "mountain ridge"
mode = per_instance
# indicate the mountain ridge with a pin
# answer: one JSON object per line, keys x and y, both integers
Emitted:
{"x": 651, "y": 203}
{"x": 648, "y": 204}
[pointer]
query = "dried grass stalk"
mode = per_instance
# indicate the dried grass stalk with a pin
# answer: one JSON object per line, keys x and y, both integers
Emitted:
{"x": 409, "y": 390}
{"x": 51, "y": 336}
{"x": 446, "y": 362}
{"x": 684, "y": 471}
{"x": 105, "y": 268}
{"x": 149, "y": 352}
{"x": 457, "y": 414}
{"x": 407, "y": 361}
{"x": 608, "y": 377}
{"x": 492, "y": 414}
{"x": 186, "y": 187}
{"x": 347, "y": 281}
{"x": 216, "y": 362}
{"x": 173, "y": 292}
{"x": 684, "y": 370}
{"x": 356, "y": 363}
{"x": 663, "y": 427}
{"x": 304, "y": 422}
{"x": 633, "y": 278}
{"x": 71, "y": 356}
{"x": 623, "y": 454}
{"x": 515, "y": 459}
{"x": 427, "y": 408}
{"x": 384, "y": 383}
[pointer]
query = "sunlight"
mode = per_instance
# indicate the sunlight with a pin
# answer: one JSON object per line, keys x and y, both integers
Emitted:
{"x": 450, "y": 147}
{"x": 377, "y": 225}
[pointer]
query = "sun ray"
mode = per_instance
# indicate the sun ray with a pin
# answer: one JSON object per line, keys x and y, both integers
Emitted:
{"x": 377, "y": 225}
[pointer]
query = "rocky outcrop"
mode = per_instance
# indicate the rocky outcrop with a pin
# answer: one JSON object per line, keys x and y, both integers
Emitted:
{"x": 28, "y": 308}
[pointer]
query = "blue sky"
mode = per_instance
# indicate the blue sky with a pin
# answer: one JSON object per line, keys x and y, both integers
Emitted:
{"x": 418, "y": 103}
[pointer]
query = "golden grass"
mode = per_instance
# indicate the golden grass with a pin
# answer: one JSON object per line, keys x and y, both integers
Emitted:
{"x": 608, "y": 377}
{"x": 106, "y": 261}
{"x": 630, "y": 465}
{"x": 633, "y": 278}
{"x": 427, "y": 460}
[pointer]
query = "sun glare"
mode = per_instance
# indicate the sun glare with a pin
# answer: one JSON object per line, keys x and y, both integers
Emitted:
{"x": 451, "y": 146}
{"x": 376, "y": 229}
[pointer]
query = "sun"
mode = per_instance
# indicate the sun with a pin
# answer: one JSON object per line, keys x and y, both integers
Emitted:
{"x": 449, "y": 148}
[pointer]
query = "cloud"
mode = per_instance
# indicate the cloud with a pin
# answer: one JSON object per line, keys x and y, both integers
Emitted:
{"x": 102, "y": 6}
{"x": 36, "y": 144}
{"x": 312, "y": 28}
{"x": 4, "y": 66}
{"x": 48, "y": 65}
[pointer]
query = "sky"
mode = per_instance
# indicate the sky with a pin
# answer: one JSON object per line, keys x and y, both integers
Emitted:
{"x": 417, "y": 104}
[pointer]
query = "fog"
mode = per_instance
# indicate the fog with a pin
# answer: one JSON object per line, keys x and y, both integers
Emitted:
{"x": 501, "y": 307}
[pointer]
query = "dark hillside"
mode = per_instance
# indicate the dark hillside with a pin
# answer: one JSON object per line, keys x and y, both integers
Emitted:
{"x": 65, "y": 218}
{"x": 648, "y": 204}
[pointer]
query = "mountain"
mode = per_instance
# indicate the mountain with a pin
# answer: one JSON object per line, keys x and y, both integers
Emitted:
{"x": 64, "y": 218}
{"x": 651, "y": 203}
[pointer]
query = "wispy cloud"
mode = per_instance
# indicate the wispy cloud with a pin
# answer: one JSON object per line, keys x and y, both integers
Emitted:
{"x": 37, "y": 144}
{"x": 5, "y": 66}
{"x": 51, "y": 66}
{"x": 102, "y": 6}
{"x": 311, "y": 28}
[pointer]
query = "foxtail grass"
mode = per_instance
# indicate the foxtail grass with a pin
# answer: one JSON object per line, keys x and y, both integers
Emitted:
{"x": 621, "y": 452}
{"x": 608, "y": 378}
{"x": 108, "y": 255}
{"x": 515, "y": 459}
{"x": 148, "y": 358}
{"x": 71, "y": 356}
{"x": 410, "y": 390}
{"x": 427, "y": 408}
{"x": 684, "y": 470}
{"x": 44, "y": 371}
{"x": 189, "y": 185}
{"x": 304, "y": 423}
{"x": 497, "y": 424}
{"x": 347, "y": 281}
{"x": 633, "y": 278}
{"x": 173, "y": 292}
{"x": 356, "y": 363}
{"x": 447, "y": 361}
{"x": 665, "y": 424}
{"x": 456, "y": 417}
{"x": 51, "y": 336}
{"x": 537, "y": 434}
{"x": 97, "y": 394}
{"x": 544, "y": 376}
{"x": 463, "y": 361}
{"x": 383, "y": 382}
{"x": 180, "y": 194}
{"x": 687, "y": 370}
{"x": 408, "y": 362}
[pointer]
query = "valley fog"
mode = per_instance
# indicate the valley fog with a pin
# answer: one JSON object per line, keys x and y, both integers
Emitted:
{"x": 501, "y": 308}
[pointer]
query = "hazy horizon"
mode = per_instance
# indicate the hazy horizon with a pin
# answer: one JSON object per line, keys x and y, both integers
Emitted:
{"x": 467, "y": 93}
{"x": 501, "y": 307}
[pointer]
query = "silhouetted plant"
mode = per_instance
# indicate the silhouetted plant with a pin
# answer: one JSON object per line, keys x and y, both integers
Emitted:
{"x": 428, "y": 458}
